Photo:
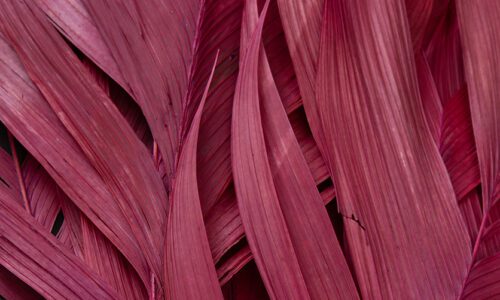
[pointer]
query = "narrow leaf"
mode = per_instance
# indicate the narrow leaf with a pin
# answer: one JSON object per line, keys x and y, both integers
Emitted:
{"x": 262, "y": 218}
{"x": 318, "y": 253}
{"x": 190, "y": 271}
{"x": 302, "y": 26}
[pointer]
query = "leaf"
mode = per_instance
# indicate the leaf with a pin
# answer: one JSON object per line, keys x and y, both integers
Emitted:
{"x": 100, "y": 255}
{"x": 444, "y": 54}
{"x": 35, "y": 256}
{"x": 482, "y": 62}
{"x": 186, "y": 245}
{"x": 451, "y": 128}
{"x": 154, "y": 54}
{"x": 431, "y": 102}
{"x": 302, "y": 26}
{"x": 246, "y": 285}
{"x": 29, "y": 117}
{"x": 318, "y": 253}
{"x": 84, "y": 238}
{"x": 42, "y": 193}
{"x": 260, "y": 212}
{"x": 234, "y": 264}
{"x": 13, "y": 288}
{"x": 98, "y": 127}
{"x": 214, "y": 172}
{"x": 71, "y": 229}
{"x": 481, "y": 59}
{"x": 214, "y": 146}
{"x": 483, "y": 283}
{"x": 419, "y": 12}
{"x": 72, "y": 19}
{"x": 273, "y": 38}
{"x": 9, "y": 183}
{"x": 223, "y": 223}
{"x": 457, "y": 145}
{"x": 222, "y": 218}
{"x": 387, "y": 171}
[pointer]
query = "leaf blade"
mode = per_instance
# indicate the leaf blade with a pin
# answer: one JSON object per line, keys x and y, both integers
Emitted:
{"x": 376, "y": 144}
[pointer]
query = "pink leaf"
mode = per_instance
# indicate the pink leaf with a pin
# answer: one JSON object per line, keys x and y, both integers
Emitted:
{"x": 387, "y": 170}
{"x": 190, "y": 272}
